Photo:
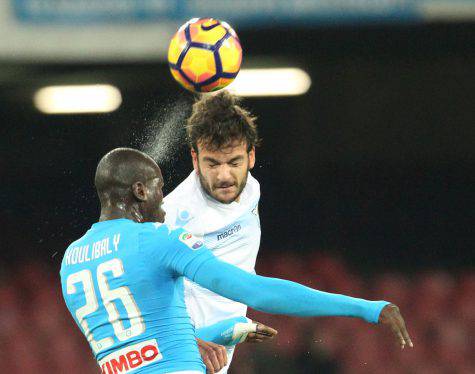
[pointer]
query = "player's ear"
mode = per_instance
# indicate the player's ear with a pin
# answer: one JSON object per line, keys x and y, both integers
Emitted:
{"x": 252, "y": 157}
{"x": 139, "y": 191}
{"x": 194, "y": 158}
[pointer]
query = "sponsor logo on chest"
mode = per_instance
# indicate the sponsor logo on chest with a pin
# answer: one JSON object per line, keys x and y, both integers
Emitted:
{"x": 130, "y": 358}
{"x": 229, "y": 232}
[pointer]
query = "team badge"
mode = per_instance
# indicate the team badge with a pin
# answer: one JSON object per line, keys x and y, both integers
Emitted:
{"x": 182, "y": 217}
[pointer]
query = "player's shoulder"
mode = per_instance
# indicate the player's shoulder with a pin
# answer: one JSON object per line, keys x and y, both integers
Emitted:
{"x": 164, "y": 235}
{"x": 184, "y": 203}
{"x": 162, "y": 230}
{"x": 155, "y": 229}
{"x": 253, "y": 183}
{"x": 185, "y": 192}
{"x": 153, "y": 237}
{"x": 252, "y": 192}
{"x": 182, "y": 236}
{"x": 75, "y": 244}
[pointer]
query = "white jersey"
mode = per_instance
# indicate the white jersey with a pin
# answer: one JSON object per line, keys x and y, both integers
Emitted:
{"x": 231, "y": 231}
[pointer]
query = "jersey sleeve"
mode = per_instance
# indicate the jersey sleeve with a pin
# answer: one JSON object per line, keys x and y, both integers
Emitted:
{"x": 184, "y": 254}
{"x": 176, "y": 250}
{"x": 279, "y": 296}
{"x": 224, "y": 332}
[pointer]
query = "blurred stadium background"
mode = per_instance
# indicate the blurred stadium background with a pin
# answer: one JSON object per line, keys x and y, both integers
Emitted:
{"x": 367, "y": 169}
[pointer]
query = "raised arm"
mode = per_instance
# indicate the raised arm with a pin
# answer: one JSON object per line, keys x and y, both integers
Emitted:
{"x": 187, "y": 256}
{"x": 280, "y": 296}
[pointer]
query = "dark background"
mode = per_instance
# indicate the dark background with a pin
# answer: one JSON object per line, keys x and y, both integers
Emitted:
{"x": 376, "y": 162}
{"x": 366, "y": 185}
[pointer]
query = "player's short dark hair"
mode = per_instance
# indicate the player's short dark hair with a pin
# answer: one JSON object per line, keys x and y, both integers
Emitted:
{"x": 218, "y": 120}
{"x": 119, "y": 169}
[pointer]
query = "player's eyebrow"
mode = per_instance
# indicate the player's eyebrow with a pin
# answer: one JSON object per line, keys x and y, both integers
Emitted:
{"x": 234, "y": 159}
{"x": 210, "y": 159}
{"x": 214, "y": 161}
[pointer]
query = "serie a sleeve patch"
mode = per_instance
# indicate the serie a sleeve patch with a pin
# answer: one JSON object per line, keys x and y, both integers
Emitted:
{"x": 190, "y": 241}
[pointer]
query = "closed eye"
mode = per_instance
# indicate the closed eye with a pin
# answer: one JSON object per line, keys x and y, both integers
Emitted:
{"x": 236, "y": 161}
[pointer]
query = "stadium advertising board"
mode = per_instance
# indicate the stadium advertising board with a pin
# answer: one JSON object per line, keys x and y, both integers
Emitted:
{"x": 129, "y": 30}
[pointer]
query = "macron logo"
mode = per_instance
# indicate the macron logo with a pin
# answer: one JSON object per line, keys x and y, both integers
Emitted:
{"x": 231, "y": 231}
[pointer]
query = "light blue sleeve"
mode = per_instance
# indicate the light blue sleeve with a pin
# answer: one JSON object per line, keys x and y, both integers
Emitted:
{"x": 278, "y": 296}
{"x": 221, "y": 332}
{"x": 186, "y": 255}
{"x": 175, "y": 250}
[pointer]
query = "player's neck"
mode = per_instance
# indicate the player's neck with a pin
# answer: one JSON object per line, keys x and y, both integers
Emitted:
{"x": 117, "y": 212}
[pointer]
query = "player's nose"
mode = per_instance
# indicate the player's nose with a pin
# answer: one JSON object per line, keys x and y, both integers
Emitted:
{"x": 224, "y": 174}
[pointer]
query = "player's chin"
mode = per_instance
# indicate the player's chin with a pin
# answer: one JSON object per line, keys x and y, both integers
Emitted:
{"x": 225, "y": 195}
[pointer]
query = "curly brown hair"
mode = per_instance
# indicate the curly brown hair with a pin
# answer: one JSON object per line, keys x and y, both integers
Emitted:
{"x": 218, "y": 120}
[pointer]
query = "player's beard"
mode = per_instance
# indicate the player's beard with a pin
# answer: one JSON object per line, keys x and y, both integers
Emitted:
{"x": 209, "y": 189}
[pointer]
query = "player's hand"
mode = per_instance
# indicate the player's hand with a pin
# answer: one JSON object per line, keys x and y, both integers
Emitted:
{"x": 214, "y": 356}
{"x": 391, "y": 317}
{"x": 261, "y": 334}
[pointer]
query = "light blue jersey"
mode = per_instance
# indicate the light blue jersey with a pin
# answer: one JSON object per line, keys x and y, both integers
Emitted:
{"x": 121, "y": 282}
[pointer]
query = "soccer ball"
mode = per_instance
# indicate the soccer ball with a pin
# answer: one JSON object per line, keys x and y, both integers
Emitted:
{"x": 204, "y": 55}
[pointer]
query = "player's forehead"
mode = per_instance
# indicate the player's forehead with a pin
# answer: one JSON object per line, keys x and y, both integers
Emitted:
{"x": 226, "y": 152}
